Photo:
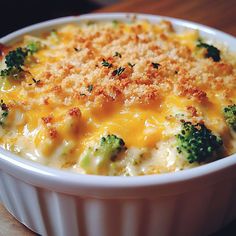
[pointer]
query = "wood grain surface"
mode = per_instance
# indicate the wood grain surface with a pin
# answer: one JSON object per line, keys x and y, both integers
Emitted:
{"x": 220, "y": 14}
{"x": 11, "y": 227}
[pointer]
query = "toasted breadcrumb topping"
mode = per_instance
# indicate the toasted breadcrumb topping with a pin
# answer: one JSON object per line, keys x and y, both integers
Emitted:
{"x": 76, "y": 62}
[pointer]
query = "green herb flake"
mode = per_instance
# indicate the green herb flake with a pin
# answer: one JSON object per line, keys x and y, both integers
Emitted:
{"x": 117, "y": 54}
{"x": 211, "y": 51}
{"x": 90, "y": 88}
{"x": 5, "y": 114}
{"x": 131, "y": 65}
{"x": 118, "y": 71}
{"x": 155, "y": 65}
{"x": 36, "y": 81}
{"x": 106, "y": 63}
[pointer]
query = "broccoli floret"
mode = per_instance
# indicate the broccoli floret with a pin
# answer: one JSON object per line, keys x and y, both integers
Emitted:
{"x": 212, "y": 52}
{"x": 14, "y": 72}
{"x": 196, "y": 142}
{"x": 111, "y": 145}
{"x": 33, "y": 47}
{"x": 15, "y": 59}
{"x": 54, "y": 36}
{"x": 96, "y": 160}
{"x": 230, "y": 116}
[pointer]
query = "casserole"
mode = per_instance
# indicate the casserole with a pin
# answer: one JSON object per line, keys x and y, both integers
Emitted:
{"x": 43, "y": 198}
{"x": 71, "y": 97}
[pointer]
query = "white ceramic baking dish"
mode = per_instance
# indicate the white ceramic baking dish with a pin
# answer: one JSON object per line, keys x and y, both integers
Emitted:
{"x": 51, "y": 202}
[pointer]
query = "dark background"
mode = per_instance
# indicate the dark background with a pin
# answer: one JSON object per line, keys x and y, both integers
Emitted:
{"x": 15, "y": 14}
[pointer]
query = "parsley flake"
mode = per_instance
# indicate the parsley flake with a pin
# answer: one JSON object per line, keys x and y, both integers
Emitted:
{"x": 155, "y": 65}
{"x": 212, "y": 52}
{"x": 117, "y": 54}
{"x": 131, "y": 65}
{"x": 90, "y": 88}
{"x": 106, "y": 63}
{"x": 118, "y": 71}
{"x": 36, "y": 81}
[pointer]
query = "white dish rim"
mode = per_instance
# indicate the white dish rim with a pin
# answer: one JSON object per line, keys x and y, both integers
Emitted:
{"x": 12, "y": 163}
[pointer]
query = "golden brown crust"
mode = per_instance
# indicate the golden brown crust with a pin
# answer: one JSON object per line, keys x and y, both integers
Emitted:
{"x": 151, "y": 63}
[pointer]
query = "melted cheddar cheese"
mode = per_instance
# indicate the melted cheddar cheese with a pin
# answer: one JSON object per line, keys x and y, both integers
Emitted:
{"x": 135, "y": 80}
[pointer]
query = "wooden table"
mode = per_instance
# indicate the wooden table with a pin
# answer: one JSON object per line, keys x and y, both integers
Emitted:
{"x": 220, "y": 14}
{"x": 11, "y": 227}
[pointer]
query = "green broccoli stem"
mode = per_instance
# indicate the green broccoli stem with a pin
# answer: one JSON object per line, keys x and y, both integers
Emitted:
{"x": 96, "y": 160}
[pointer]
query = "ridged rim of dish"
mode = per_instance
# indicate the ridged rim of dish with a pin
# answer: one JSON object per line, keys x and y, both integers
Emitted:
{"x": 19, "y": 166}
